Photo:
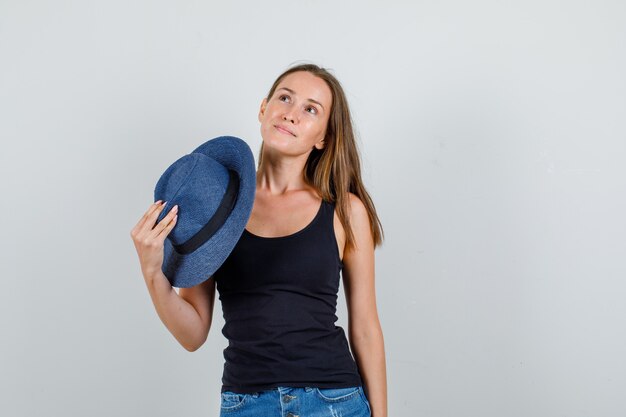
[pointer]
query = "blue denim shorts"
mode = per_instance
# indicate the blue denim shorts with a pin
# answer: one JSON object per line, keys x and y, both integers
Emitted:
{"x": 294, "y": 402}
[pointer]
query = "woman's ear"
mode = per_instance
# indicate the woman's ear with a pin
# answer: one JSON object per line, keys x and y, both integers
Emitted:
{"x": 262, "y": 109}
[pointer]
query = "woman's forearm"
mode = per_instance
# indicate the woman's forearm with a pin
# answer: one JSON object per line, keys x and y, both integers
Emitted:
{"x": 179, "y": 316}
{"x": 369, "y": 352}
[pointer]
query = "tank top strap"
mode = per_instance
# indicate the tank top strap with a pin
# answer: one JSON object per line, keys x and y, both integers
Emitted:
{"x": 327, "y": 225}
{"x": 328, "y": 211}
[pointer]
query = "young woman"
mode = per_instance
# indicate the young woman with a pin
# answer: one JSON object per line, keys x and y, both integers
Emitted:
{"x": 312, "y": 219}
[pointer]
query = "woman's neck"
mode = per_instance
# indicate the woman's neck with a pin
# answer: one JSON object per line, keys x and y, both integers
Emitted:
{"x": 280, "y": 175}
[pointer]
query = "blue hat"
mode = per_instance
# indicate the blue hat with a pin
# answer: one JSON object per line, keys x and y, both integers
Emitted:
{"x": 214, "y": 188}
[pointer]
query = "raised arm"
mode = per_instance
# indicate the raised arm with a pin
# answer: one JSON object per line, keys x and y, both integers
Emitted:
{"x": 187, "y": 314}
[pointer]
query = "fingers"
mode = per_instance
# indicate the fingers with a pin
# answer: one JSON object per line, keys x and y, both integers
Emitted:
{"x": 141, "y": 223}
{"x": 153, "y": 212}
{"x": 168, "y": 228}
{"x": 165, "y": 222}
{"x": 152, "y": 207}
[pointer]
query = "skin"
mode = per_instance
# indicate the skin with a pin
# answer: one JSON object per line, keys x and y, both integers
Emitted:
{"x": 284, "y": 204}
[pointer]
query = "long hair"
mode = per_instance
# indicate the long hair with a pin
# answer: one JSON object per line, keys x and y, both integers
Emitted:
{"x": 335, "y": 169}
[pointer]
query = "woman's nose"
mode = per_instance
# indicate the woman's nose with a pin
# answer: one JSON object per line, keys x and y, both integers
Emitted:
{"x": 288, "y": 116}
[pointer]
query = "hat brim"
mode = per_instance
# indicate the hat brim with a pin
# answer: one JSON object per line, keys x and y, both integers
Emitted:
{"x": 184, "y": 271}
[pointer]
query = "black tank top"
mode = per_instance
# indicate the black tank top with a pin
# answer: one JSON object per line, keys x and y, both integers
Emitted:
{"x": 279, "y": 300}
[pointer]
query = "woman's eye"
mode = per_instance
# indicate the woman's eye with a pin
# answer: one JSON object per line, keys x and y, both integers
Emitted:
{"x": 309, "y": 109}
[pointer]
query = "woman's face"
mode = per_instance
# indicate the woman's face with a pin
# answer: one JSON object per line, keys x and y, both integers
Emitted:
{"x": 295, "y": 118}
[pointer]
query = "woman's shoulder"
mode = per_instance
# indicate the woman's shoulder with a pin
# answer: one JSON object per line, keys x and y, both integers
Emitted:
{"x": 356, "y": 206}
{"x": 359, "y": 216}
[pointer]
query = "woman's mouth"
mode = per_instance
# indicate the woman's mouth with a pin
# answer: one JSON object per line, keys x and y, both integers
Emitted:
{"x": 280, "y": 129}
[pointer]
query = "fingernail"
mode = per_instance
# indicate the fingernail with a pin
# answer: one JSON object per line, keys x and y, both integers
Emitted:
{"x": 157, "y": 202}
{"x": 175, "y": 208}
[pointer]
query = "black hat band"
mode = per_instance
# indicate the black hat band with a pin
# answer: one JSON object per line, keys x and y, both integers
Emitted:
{"x": 216, "y": 221}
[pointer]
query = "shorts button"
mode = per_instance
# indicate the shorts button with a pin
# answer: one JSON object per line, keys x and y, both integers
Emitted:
{"x": 287, "y": 397}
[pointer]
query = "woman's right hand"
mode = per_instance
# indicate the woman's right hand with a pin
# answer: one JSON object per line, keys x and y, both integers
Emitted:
{"x": 149, "y": 238}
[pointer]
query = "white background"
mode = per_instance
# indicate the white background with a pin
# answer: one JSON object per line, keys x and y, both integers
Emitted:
{"x": 493, "y": 141}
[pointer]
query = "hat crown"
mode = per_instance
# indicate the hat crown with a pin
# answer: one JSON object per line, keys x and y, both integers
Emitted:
{"x": 197, "y": 184}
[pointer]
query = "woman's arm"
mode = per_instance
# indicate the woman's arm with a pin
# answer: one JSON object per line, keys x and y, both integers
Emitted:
{"x": 188, "y": 314}
{"x": 365, "y": 333}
